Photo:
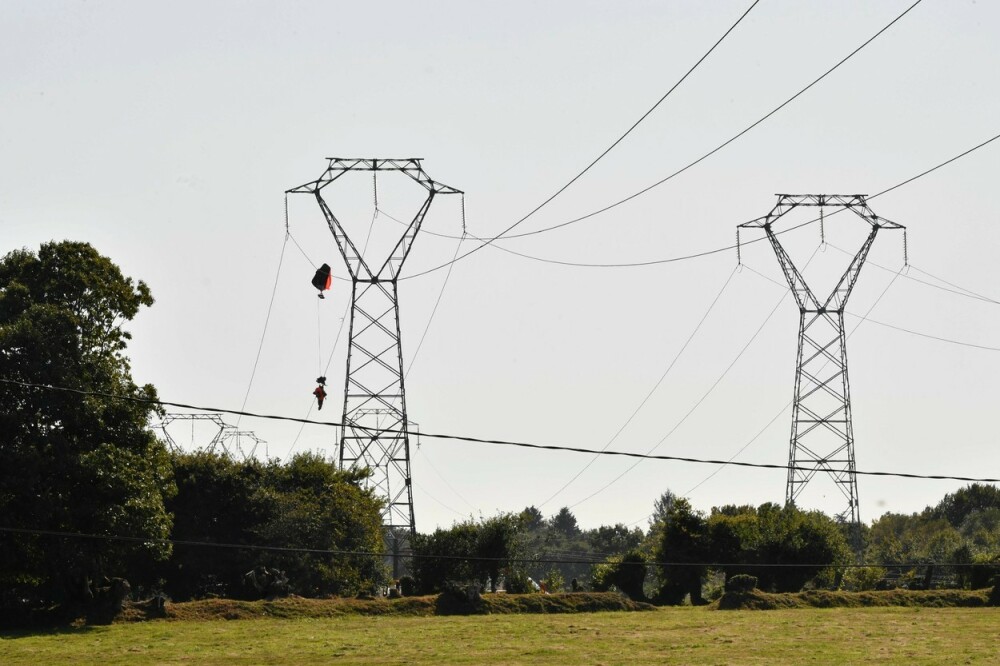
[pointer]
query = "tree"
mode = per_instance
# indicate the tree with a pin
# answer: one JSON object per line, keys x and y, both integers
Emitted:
{"x": 683, "y": 549}
{"x": 218, "y": 500}
{"x": 661, "y": 508}
{"x": 614, "y": 539}
{"x": 310, "y": 504}
{"x": 565, "y": 522}
{"x": 85, "y": 464}
{"x": 955, "y": 507}
{"x": 444, "y": 555}
{"x": 469, "y": 551}
{"x": 626, "y": 572}
{"x": 498, "y": 548}
{"x": 531, "y": 518}
{"x": 304, "y": 503}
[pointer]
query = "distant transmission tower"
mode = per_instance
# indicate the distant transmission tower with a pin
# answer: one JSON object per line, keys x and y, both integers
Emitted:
{"x": 374, "y": 395}
{"x": 822, "y": 435}
{"x": 226, "y": 439}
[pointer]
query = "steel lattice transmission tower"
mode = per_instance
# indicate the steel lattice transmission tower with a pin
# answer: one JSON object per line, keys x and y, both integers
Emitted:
{"x": 375, "y": 430}
{"x": 822, "y": 437}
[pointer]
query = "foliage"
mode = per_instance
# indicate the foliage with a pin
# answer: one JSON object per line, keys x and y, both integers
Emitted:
{"x": 407, "y": 586}
{"x": 560, "y": 538}
{"x": 554, "y": 581}
{"x": 531, "y": 518}
{"x": 85, "y": 463}
{"x": 518, "y": 582}
{"x": 616, "y": 538}
{"x": 305, "y": 503}
{"x": 565, "y": 522}
{"x": 444, "y": 555}
{"x": 956, "y": 507}
{"x": 863, "y": 579}
{"x": 682, "y": 551}
{"x": 744, "y": 538}
{"x": 741, "y": 583}
{"x": 625, "y": 573}
{"x": 468, "y": 551}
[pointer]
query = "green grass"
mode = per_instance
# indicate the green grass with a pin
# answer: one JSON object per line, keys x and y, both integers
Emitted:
{"x": 670, "y": 635}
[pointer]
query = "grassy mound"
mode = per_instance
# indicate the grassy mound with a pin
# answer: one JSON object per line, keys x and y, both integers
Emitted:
{"x": 298, "y": 607}
{"x": 576, "y": 602}
{"x": 757, "y": 600}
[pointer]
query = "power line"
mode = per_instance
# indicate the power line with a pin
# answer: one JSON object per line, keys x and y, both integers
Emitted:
{"x": 267, "y": 319}
{"x": 705, "y": 253}
{"x": 935, "y": 168}
{"x": 951, "y": 284}
{"x": 505, "y": 232}
{"x": 634, "y": 125}
{"x": 931, "y": 337}
{"x": 732, "y": 139}
{"x": 789, "y": 403}
{"x": 957, "y": 290}
{"x": 651, "y": 391}
{"x": 691, "y": 411}
{"x": 480, "y": 440}
{"x": 444, "y": 285}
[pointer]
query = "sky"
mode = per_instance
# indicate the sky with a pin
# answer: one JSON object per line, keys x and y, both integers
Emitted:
{"x": 166, "y": 134}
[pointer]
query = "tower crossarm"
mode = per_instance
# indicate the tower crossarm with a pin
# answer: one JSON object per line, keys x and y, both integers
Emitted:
{"x": 394, "y": 262}
{"x": 803, "y": 294}
{"x": 837, "y": 300}
{"x": 355, "y": 262}
{"x": 409, "y": 166}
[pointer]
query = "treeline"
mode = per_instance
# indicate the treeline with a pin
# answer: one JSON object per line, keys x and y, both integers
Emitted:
{"x": 957, "y": 541}
{"x": 686, "y": 555}
{"x": 668, "y": 563}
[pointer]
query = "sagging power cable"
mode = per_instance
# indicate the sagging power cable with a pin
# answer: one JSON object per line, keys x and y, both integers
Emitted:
{"x": 480, "y": 440}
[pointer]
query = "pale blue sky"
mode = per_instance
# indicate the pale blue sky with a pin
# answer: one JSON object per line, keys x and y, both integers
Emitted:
{"x": 166, "y": 133}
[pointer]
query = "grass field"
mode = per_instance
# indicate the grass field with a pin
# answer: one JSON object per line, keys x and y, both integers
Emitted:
{"x": 670, "y": 635}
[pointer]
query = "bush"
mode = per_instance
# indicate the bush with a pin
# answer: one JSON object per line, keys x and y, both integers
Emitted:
{"x": 554, "y": 581}
{"x": 863, "y": 579}
{"x": 518, "y": 582}
{"x": 624, "y": 572}
{"x": 408, "y": 586}
{"x": 741, "y": 583}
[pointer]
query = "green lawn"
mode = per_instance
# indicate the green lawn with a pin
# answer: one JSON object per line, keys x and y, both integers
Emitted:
{"x": 673, "y": 635}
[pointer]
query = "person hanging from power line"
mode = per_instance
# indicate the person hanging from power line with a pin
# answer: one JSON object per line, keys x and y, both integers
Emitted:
{"x": 320, "y": 392}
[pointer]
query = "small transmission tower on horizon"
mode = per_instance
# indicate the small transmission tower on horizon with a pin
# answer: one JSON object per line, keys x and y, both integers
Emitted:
{"x": 822, "y": 438}
{"x": 375, "y": 430}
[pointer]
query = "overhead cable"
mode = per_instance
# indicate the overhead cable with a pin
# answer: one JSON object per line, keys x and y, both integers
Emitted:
{"x": 629, "y": 130}
{"x": 653, "y": 390}
{"x": 505, "y": 232}
{"x": 480, "y": 440}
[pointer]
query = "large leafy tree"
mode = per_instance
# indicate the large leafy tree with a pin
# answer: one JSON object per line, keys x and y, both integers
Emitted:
{"x": 74, "y": 462}
{"x": 682, "y": 552}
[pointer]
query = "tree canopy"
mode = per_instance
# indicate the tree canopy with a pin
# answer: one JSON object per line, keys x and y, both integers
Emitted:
{"x": 84, "y": 463}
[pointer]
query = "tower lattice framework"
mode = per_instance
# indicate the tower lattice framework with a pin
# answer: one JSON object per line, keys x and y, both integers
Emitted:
{"x": 822, "y": 437}
{"x": 374, "y": 433}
